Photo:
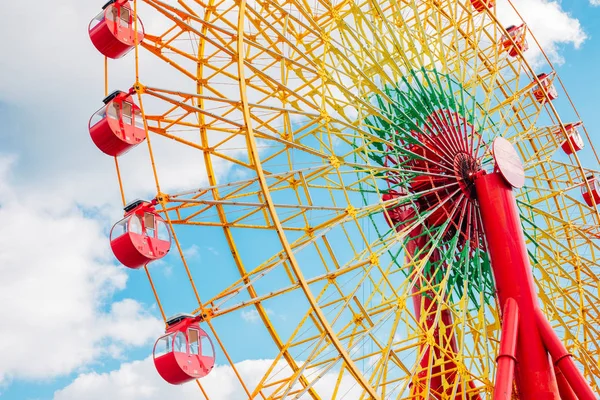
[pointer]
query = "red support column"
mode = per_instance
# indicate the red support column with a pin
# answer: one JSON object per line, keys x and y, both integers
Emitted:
{"x": 563, "y": 359}
{"x": 514, "y": 279}
{"x": 414, "y": 244}
{"x": 566, "y": 393}
{"x": 446, "y": 369}
{"x": 508, "y": 352}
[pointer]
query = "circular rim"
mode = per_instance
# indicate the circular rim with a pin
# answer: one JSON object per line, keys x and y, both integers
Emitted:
{"x": 254, "y": 118}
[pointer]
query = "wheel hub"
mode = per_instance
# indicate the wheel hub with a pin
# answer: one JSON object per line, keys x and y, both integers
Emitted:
{"x": 444, "y": 163}
{"x": 465, "y": 169}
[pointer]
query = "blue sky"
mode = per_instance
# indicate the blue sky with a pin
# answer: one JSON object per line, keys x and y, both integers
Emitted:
{"x": 73, "y": 321}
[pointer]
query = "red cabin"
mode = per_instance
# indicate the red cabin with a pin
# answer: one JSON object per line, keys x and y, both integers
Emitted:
{"x": 118, "y": 126}
{"x": 517, "y": 33}
{"x": 141, "y": 237}
{"x": 185, "y": 352}
{"x": 480, "y": 5}
{"x": 113, "y": 30}
{"x": 573, "y": 137}
{"x": 539, "y": 91}
{"x": 595, "y": 186}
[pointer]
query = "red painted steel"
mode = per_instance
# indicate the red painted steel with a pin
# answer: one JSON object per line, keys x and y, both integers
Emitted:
{"x": 140, "y": 238}
{"x": 185, "y": 353}
{"x": 444, "y": 370}
{"x": 517, "y": 33}
{"x": 595, "y": 193}
{"x": 507, "y": 355}
{"x": 574, "y": 139}
{"x": 479, "y": 5}
{"x": 118, "y": 126}
{"x": 563, "y": 359}
{"x": 113, "y": 30}
{"x": 514, "y": 279}
{"x": 441, "y": 148}
{"x": 428, "y": 163}
{"x": 546, "y": 88}
{"x": 566, "y": 393}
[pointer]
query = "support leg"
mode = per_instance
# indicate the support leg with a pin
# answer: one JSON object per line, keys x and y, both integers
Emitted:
{"x": 563, "y": 359}
{"x": 514, "y": 279}
{"x": 508, "y": 351}
{"x": 426, "y": 310}
{"x": 564, "y": 389}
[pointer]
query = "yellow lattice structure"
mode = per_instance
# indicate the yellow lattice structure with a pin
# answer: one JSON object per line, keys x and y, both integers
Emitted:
{"x": 273, "y": 103}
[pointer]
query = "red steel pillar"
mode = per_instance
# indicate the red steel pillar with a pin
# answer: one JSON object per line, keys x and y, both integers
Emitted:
{"x": 563, "y": 361}
{"x": 514, "y": 279}
{"x": 507, "y": 357}
{"x": 426, "y": 302}
{"x": 566, "y": 393}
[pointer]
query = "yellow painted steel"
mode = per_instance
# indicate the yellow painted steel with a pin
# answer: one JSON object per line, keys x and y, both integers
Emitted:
{"x": 273, "y": 97}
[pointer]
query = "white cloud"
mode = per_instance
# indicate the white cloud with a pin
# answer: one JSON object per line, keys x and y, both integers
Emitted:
{"x": 595, "y": 3}
{"x": 192, "y": 252}
{"x": 57, "y": 277}
{"x": 551, "y": 25}
{"x": 252, "y": 316}
{"x": 213, "y": 250}
{"x": 68, "y": 90}
{"x": 139, "y": 380}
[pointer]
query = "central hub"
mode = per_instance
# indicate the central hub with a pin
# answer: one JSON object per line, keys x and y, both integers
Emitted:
{"x": 432, "y": 154}
{"x": 465, "y": 169}
{"x": 442, "y": 164}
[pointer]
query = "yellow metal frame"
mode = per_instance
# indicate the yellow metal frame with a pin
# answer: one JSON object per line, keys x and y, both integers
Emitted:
{"x": 302, "y": 74}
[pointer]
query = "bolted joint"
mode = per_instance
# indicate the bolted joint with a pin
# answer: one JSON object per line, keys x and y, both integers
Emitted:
{"x": 374, "y": 259}
{"x": 351, "y": 211}
{"x": 162, "y": 198}
{"x": 139, "y": 88}
{"x": 205, "y": 315}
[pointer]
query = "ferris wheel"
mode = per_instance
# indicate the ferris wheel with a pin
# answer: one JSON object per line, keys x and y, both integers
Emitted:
{"x": 393, "y": 177}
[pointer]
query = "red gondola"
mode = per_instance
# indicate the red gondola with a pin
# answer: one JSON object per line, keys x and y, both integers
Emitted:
{"x": 113, "y": 30}
{"x": 185, "y": 352}
{"x": 595, "y": 186}
{"x": 517, "y": 33}
{"x": 141, "y": 237}
{"x": 480, "y": 5}
{"x": 546, "y": 87}
{"x": 573, "y": 137}
{"x": 118, "y": 126}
